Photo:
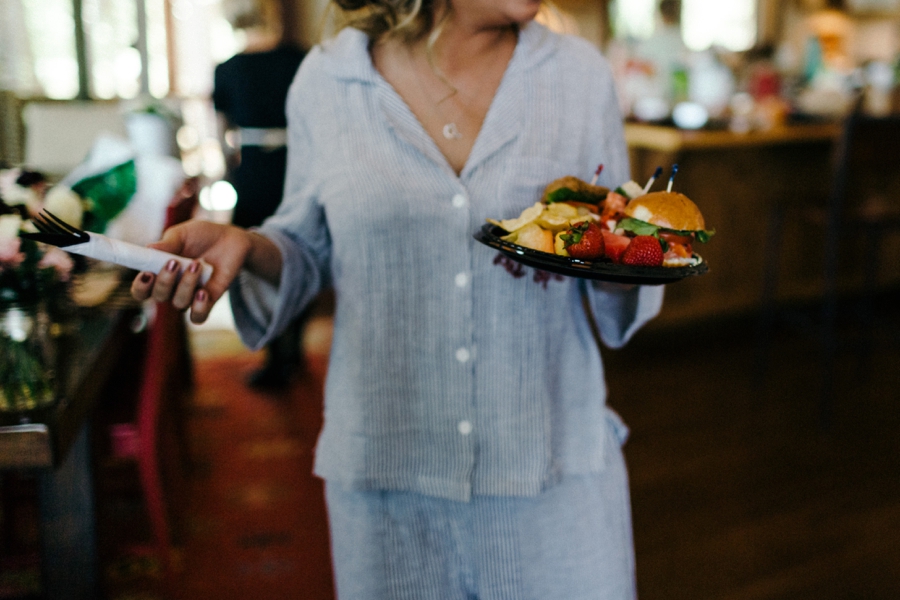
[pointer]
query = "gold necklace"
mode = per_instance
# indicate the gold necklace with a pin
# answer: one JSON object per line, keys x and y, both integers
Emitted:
{"x": 450, "y": 130}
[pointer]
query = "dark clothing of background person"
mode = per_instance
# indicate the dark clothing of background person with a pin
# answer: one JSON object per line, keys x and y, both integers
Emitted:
{"x": 250, "y": 90}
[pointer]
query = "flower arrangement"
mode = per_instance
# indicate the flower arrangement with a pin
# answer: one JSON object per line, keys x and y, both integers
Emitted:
{"x": 30, "y": 271}
{"x": 33, "y": 277}
{"x": 27, "y": 192}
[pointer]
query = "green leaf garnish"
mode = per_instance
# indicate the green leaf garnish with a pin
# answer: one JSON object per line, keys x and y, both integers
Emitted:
{"x": 565, "y": 194}
{"x": 638, "y": 227}
{"x": 703, "y": 235}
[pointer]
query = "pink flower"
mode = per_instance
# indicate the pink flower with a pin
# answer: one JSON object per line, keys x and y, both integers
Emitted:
{"x": 10, "y": 254}
{"x": 59, "y": 260}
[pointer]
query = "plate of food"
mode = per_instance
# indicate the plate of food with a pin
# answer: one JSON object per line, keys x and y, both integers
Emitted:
{"x": 627, "y": 235}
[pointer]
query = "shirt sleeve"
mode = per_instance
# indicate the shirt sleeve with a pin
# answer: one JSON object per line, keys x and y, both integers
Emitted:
{"x": 619, "y": 311}
{"x": 299, "y": 230}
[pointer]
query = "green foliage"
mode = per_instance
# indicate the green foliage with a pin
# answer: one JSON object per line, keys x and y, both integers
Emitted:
{"x": 28, "y": 282}
{"x": 25, "y": 379}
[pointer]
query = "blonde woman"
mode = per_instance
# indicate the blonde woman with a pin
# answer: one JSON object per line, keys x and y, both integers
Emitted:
{"x": 467, "y": 449}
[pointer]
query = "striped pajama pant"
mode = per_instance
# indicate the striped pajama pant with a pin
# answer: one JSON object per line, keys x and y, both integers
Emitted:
{"x": 571, "y": 542}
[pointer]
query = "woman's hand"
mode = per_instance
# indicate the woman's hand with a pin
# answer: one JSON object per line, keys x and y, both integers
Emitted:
{"x": 226, "y": 247}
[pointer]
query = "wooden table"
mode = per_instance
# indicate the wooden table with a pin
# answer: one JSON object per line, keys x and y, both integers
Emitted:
{"x": 735, "y": 179}
{"x": 54, "y": 443}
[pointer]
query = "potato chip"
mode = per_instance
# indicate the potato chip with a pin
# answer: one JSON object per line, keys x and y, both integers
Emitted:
{"x": 562, "y": 209}
{"x": 581, "y": 218}
{"x": 552, "y": 222}
{"x": 559, "y": 245}
{"x": 528, "y": 215}
{"x": 535, "y": 237}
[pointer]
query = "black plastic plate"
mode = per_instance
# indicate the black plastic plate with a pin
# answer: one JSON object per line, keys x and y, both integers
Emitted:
{"x": 601, "y": 270}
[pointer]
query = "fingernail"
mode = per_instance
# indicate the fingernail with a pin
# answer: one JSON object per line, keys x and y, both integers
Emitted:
{"x": 172, "y": 265}
{"x": 194, "y": 267}
{"x": 200, "y": 296}
{"x": 146, "y": 277}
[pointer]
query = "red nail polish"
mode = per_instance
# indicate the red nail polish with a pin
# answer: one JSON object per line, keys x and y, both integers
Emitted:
{"x": 172, "y": 265}
{"x": 194, "y": 267}
{"x": 200, "y": 296}
{"x": 146, "y": 277}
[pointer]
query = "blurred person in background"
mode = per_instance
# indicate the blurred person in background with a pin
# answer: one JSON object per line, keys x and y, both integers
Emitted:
{"x": 250, "y": 90}
{"x": 665, "y": 52}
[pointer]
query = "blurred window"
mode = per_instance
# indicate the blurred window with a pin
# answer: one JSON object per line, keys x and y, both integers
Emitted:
{"x": 182, "y": 40}
{"x": 704, "y": 23}
{"x": 111, "y": 32}
{"x": 203, "y": 38}
{"x": 634, "y": 18}
{"x": 731, "y": 24}
{"x": 112, "y": 48}
{"x": 51, "y": 37}
{"x": 157, "y": 48}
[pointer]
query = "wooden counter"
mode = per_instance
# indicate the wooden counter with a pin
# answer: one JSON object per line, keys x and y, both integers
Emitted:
{"x": 736, "y": 179}
{"x": 670, "y": 139}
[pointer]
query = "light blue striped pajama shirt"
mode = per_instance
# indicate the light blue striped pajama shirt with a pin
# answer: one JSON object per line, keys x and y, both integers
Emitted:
{"x": 449, "y": 379}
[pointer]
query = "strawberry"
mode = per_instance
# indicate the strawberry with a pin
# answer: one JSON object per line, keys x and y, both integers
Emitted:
{"x": 643, "y": 251}
{"x": 614, "y": 245}
{"x": 584, "y": 241}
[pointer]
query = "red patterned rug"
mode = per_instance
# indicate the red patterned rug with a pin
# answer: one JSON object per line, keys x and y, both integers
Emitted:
{"x": 254, "y": 523}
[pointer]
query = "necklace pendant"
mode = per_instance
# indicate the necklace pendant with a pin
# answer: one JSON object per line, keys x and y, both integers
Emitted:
{"x": 451, "y": 132}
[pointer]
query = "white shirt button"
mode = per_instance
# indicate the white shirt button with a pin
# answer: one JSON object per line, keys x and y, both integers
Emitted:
{"x": 461, "y": 279}
{"x": 460, "y": 201}
{"x": 462, "y": 355}
{"x": 464, "y": 427}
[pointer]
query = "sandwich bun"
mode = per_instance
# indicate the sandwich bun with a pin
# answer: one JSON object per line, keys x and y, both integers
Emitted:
{"x": 669, "y": 210}
{"x": 582, "y": 190}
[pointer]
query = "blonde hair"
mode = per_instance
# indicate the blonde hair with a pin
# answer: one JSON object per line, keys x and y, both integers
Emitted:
{"x": 406, "y": 20}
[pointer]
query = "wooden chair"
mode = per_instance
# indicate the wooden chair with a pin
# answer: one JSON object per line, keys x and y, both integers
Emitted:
{"x": 863, "y": 203}
{"x": 155, "y": 437}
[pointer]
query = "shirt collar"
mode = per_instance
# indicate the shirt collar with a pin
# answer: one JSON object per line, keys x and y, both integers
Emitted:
{"x": 348, "y": 58}
{"x": 347, "y": 54}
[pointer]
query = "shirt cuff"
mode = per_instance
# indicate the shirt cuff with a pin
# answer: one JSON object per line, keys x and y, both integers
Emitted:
{"x": 620, "y": 312}
{"x": 263, "y": 310}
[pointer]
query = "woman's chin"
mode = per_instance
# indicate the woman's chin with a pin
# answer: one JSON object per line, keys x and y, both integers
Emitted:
{"x": 528, "y": 11}
{"x": 504, "y": 12}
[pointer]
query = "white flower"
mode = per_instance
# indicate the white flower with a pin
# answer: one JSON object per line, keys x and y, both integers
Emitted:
{"x": 8, "y": 178}
{"x": 65, "y": 204}
{"x": 9, "y": 227}
{"x": 14, "y": 194}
